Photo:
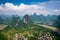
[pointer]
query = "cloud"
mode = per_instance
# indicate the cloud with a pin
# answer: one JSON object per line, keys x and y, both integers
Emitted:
{"x": 57, "y": 11}
{"x": 22, "y": 9}
{"x": 50, "y": 7}
{"x": 53, "y": 6}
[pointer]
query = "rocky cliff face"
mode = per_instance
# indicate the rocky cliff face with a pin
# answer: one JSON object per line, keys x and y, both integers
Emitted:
{"x": 22, "y": 37}
{"x": 27, "y": 20}
{"x": 46, "y": 37}
{"x": 19, "y": 37}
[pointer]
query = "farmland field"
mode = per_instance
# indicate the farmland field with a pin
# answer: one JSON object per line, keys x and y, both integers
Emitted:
{"x": 2, "y": 26}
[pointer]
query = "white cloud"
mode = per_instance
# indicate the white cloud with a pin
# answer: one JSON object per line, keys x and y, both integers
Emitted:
{"x": 56, "y": 11}
{"x": 22, "y": 9}
{"x": 39, "y": 8}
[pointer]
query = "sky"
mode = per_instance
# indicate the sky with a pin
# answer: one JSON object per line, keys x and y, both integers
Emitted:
{"x": 22, "y": 7}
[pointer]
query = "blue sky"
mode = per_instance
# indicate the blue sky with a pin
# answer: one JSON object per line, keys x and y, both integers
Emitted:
{"x": 17, "y": 2}
{"x": 22, "y": 7}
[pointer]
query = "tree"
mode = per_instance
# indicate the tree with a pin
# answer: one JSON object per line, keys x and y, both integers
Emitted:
{"x": 15, "y": 21}
{"x": 57, "y": 22}
{"x": 2, "y": 37}
{"x": 1, "y": 20}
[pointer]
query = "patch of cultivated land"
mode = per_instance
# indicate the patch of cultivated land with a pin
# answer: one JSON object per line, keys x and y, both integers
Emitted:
{"x": 2, "y": 26}
{"x": 50, "y": 27}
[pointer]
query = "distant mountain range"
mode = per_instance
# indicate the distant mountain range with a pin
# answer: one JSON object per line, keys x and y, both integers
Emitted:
{"x": 49, "y": 19}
